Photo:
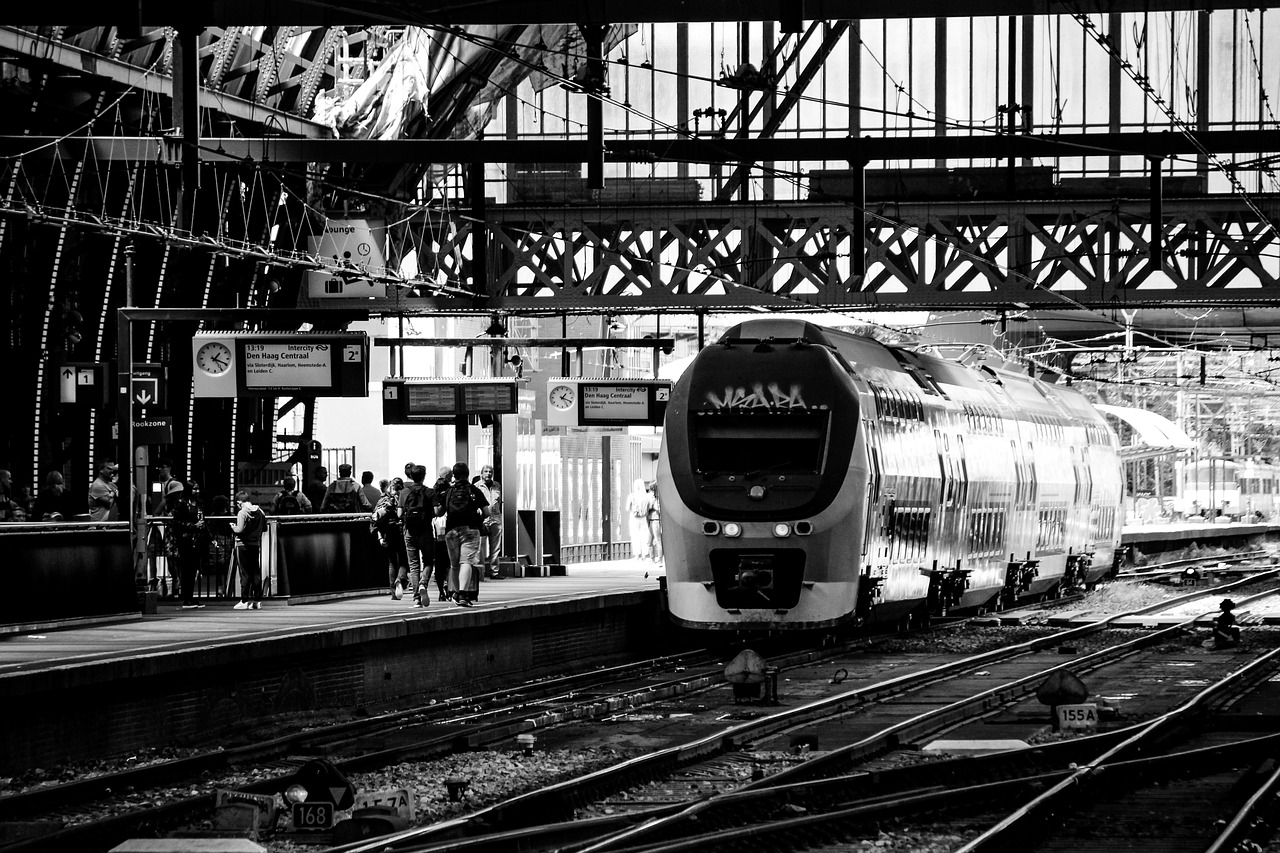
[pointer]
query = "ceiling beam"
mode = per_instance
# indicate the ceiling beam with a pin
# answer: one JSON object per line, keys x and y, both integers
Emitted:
{"x": 34, "y": 49}
{"x": 358, "y": 12}
{"x": 704, "y": 149}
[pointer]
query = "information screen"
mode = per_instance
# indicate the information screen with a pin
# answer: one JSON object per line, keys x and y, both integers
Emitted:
{"x": 430, "y": 400}
{"x": 288, "y": 365}
{"x": 612, "y": 403}
{"x": 484, "y": 399}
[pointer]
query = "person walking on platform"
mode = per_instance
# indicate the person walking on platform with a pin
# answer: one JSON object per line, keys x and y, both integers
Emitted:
{"x": 290, "y": 501}
{"x": 317, "y": 486}
{"x": 638, "y": 516}
{"x": 491, "y": 527}
{"x": 104, "y": 494}
{"x": 248, "y": 527}
{"x": 463, "y": 506}
{"x": 344, "y": 495}
{"x": 389, "y": 529}
{"x": 186, "y": 532}
{"x": 441, "y": 550}
{"x": 654, "y": 518}
{"x": 415, "y": 514}
{"x": 371, "y": 493}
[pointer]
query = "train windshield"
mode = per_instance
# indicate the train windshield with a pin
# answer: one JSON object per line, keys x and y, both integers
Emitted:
{"x": 778, "y": 444}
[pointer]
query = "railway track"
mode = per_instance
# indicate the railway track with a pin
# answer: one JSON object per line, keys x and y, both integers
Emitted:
{"x": 718, "y": 768}
{"x": 734, "y": 756}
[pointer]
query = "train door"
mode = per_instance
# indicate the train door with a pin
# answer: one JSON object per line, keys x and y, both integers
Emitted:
{"x": 944, "y": 543}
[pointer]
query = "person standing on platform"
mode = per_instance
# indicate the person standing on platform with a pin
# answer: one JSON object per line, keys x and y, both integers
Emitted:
{"x": 491, "y": 528}
{"x": 248, "y": 527}
{"x": 415, "y": 504}
{"x": 164, "y": 473}
{"x": 654, "y": 518}
{"x": 371, "y": 493}
{"x": 104, "y": 494}
{"x": 55, "y": 502}
{"x": 441, "y": 550}
{"x": 290, "y": 501}
{"x": 463, "y": 506}
{"x": 638, "y": 516}
{"x": 316, "y": 488}
{"x": 186, "y": 532}
{"x": 344, "y": 495}
{"x": 387, "y": 526}
{"x": 8, "y": 506}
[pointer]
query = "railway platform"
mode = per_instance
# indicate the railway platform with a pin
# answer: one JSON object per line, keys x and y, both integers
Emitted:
{"x": 178, "y": 675}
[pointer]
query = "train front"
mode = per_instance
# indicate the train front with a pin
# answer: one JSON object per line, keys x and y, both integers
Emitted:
{"x": 762, "y": 481}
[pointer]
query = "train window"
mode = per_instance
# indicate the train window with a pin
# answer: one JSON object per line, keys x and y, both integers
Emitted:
{"x": 777, "y": 444}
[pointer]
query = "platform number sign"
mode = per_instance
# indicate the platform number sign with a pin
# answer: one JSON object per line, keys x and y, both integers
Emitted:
{"x": 352, "y": 354}
{"x": 312, "y": 815}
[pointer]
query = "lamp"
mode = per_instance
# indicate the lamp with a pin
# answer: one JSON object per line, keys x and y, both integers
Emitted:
{"x": 517, "y": 364}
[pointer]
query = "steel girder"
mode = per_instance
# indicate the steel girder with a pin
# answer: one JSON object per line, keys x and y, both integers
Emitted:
{"x": 790, "y": 12}
{"x": 952, "y": 255}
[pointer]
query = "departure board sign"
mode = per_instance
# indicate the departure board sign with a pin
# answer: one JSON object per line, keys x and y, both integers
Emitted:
{"x": 489, "y": 398}
{"x": 582, "y": 401}
{"x": 443, "y": 401}
{"x": 431, "y": 400}
{"x": 261, "y": 364}
{"x": 300, "y": 365}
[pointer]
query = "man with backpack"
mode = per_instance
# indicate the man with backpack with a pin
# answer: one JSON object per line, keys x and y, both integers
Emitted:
{"x": 250, "y": 522}
{"x": 463, "y": 505}
{"x": 290, "y": 501}
{"x": 344, "y": 495}
{"x": 416, "y": 509}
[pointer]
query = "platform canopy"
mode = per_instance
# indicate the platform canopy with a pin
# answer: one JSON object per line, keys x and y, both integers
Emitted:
{"x": 1154, "y": 435}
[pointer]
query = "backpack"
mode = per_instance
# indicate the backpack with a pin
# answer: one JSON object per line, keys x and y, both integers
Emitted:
{"x": 417, "y": 512}
{"x": 460, "y": 502}
{"x": 287, "y": 503}
{"x": 343, "y": 501}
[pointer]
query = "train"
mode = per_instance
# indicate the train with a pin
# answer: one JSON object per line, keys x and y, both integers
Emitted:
{"x": 1237, "y": 487}
{"x": 811, "y": 478}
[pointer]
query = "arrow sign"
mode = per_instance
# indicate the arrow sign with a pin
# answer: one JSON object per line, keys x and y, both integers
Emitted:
{"x": 67, "y": 385}
{"x": 145, "y": 390}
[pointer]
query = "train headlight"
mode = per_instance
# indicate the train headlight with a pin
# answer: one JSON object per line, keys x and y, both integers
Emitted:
{"x": 710, "y": 528}
{"x": 732, "y": 528}
{"x": 804, "y": 528}
{"x": 756, "y": 493}
{"x": 782, "y": 529}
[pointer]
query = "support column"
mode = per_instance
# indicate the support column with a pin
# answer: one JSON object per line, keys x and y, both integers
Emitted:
{"x": 186, "y": 118}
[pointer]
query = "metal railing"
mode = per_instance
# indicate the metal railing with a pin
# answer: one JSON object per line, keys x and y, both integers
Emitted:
{"x": 594, "y": 552}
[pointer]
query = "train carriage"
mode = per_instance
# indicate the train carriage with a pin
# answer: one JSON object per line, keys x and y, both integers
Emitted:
{"x": 811, "y": 477}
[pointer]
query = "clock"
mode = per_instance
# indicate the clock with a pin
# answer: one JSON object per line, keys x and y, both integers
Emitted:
{"x": 214, "y": 358}
{"x": 562, "y": 396}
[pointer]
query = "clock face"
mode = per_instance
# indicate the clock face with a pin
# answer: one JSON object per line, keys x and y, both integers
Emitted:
{"x": 562, "y": 396}
{"x": 214, "y": 358}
